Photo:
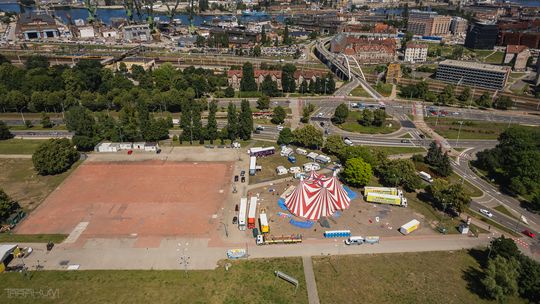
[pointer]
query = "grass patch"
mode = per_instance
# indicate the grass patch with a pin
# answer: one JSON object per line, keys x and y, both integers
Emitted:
{"x": 494, "y": 58}
{"x": 238, "y": 94}
{"x": 20, "y": 146}
{"x": 397, "y": 150}
{"x": 420, "y": 277}
{"x": 32, "y": 238}
{"x": 406, "y": 135}
{"x": 20, "y": 181}
{"x": 352, "y": 125}
{"x": 359, "y": 92}
{"x": 247, "y": 281}
{"x": 471, "y": 129}
{"x": 385, "y": 89}
{"x": 503, "y": 210}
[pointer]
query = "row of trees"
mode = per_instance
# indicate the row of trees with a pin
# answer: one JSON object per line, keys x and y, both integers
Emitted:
{"x": 515, "y": 162}
{"x": 38, "y": 87}
{"x": 449, "y": 97}
{"x": 368, "y": 117}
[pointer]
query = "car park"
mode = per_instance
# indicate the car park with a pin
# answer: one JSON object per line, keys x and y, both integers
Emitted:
{"x": 486, "y": 212}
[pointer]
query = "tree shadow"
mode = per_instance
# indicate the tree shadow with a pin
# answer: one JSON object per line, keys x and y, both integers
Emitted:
{"x": 474, "y": 275}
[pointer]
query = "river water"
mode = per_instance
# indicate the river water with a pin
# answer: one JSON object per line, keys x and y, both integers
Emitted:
{"x": 105, "y": 15}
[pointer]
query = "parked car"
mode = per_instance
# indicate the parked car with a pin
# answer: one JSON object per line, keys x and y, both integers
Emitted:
{"x": 243, "y": 179}
{"x": 422, "y": 136}
{"x": 235, "y": 220}
{"x": 529, "y": 233}
{"x": 260, "y": 128}
{"x": 236, "y": 178}
{"x": 486, "y": 212}
{"x": 280, "y": 127}
{"x": 347, "y": 141}
{"x": 405, "y": 141}
{"x": 242, "y": 173}
{"x": 130, "y": 152}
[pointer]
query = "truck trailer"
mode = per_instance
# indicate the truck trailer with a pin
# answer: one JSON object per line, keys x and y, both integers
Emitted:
{"x": 263, "y": 222}
{"x": 287, "y": 239}
{"x": 382, "y": 190}
{"x": 242, "y": 214}
{"x": 252, "y": 212}
{"x": 409, "y": 227}
{"x": 387, "y": 199}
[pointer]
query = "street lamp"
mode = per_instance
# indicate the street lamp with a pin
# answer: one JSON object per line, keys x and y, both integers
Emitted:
{"x": 459, "y": 131}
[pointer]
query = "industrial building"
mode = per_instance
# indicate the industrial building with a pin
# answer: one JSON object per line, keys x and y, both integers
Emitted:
{"x": 473, "y": 74}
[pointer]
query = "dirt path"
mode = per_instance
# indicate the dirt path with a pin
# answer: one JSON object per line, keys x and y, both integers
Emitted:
{"x": 311, "y": 284}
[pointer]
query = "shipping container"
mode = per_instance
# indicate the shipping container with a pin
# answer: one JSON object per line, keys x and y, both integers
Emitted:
{"x": 242, "y": 214}
{"x": 409, "y": 227}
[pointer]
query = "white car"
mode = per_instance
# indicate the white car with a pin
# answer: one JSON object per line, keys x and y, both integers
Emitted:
{"x": 279, "y": 128}
{"x": 486, "y": 212}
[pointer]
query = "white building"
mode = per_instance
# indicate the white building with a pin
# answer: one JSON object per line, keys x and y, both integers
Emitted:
{"x": 107, "y": 147}
{"x": 86, "y": 32}
{"x": 415, "y": 52}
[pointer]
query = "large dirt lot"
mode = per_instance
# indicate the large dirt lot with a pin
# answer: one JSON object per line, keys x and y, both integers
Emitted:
{"x": 360, "y": 218}
{"x": 141, "y": 198}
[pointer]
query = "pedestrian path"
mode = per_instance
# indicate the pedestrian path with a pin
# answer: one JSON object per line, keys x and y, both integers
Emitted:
{"x": 311, "y": 285}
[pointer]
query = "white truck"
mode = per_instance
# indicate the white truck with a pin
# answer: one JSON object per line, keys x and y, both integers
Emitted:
{"x": 286, "y": 239}
{"x": 425, "y": 176}
{"x": 359, "y": 240}
{"x": 242, "y": 214}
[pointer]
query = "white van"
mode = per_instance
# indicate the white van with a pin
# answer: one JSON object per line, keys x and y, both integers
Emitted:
{"x": 355, "y": 240}
{"x": 425, "y": 176}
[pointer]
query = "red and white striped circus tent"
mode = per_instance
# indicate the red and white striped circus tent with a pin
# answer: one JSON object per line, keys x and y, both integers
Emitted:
{"x": 317, "y": 196}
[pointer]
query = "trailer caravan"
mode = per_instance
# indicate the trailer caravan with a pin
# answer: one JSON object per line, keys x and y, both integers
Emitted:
{"x": 252, "y": 212}
{"x": 409, "y": 227}
{"x": 323, "y": 159}
{"x": 260, "y": 152}
{"x": 312, "y": 156}
{"x": 301, "y": 151}
{"x": 252, "y": 165}
{"x": 242, "y": 214}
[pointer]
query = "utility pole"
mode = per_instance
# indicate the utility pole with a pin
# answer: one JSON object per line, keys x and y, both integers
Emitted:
{"x": 459, "y": 131}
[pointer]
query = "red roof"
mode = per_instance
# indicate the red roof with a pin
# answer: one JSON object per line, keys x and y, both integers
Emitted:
{"x": 515, "y": 49}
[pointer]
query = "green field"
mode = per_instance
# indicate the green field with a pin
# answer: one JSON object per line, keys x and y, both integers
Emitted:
{"x": 248, "y": 281}
{"x": 503, "y": 210}
{"x": 495, "y": 58}
{"x": 31, "y": 238}
{"x": 352, "y": 125}
{"x": 20, "y": 181}
{"x": 426, "y": 277}
{"x": 398, "y": 150}
{"x": 471, "y": 129}
{"x": 20, "y": 146}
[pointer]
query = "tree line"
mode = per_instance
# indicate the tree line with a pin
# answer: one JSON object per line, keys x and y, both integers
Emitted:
{"x": 39, "y": 87}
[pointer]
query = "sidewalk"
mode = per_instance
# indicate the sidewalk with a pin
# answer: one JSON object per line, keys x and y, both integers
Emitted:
{"x": 311, "y": 284}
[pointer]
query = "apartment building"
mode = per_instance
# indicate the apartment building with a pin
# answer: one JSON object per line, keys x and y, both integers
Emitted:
{"x": 425, "y": 23}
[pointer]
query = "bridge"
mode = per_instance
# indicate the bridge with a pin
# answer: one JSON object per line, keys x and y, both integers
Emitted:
{"x": 340, "y": 64}
{"x": 133, "y": 51}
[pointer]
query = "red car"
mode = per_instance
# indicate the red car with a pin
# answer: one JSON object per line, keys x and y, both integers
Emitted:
{"x": 529, "y": 233}
{"x": 130, "y": 152}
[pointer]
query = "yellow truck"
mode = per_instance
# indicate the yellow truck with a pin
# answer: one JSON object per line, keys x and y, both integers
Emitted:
{"x": 263, "y": 222}
{"x": 387, "y": 199}
{"x": 382, "y": 190}
{"x": 409, "y": 227}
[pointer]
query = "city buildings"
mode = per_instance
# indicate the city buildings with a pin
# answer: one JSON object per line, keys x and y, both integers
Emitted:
{"x": 37, "y": 26}
{"x": 458, "y": 26}
{"x": 473, "y": 74}
{"x": 517, "y": 56}
{"x": 137, "y": 33}
{"x": 481, "y": 34}
{"x": 363, "y": 49}
{"x": 520, "y": 32}
{"x": 415, "y": 52}
{"x": 425, "y": 23}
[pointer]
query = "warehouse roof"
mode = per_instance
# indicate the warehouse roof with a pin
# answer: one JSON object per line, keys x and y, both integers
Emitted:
{"x": 474, "y": 65}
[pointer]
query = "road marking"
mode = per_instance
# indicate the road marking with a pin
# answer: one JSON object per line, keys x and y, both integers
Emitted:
{"x": 76, "y": 232}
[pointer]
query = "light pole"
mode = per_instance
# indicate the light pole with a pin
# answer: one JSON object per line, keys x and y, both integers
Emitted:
{"x": 459, "y": 131}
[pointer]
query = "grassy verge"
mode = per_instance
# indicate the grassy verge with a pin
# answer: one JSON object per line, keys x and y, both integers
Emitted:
{"x": 494, "y": 58}
{"x": 248, "y": 281}
{"x": 359, "y": 92}
{"x": 352, "y": 125}
{"x": 406, "y": 135}
{"x": 20, "y": 146}
{"x": 449, "y": 128}
{"x": 385, "y": 89}
{"x": 397, "y": 150}
{"x": 494, "y": 224}
{"x": 425, "y": 277}
{"x": 20, "y": 181}
{"x": 31, "y": 238}
{"x": 503, "y": 210}
{"x": 469, "y": 188}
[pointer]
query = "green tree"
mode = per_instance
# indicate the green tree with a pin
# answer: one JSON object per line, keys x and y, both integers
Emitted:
{"x": 444, "y": 168}
{"x": 501, "y": 277}
{"x": 330, "y": 84}
{"x": 457, "y": 52}
{"x": 54, "y": 156}
{"x": 246, "y": 120}
{"x": 196, "y": 125}
{"x": 279, "y": 115}
{"x": 357, "y": 172}
{"x": 379, "y": 117}
{"x": 448, "y": 197}
{"x": 367, "y": 118}
{"x": 399, "y": 172}
{"x": 286, "y": 37}
{"x": 503, "y": 103}
{"x": 7, "y": 206}
{"x": 232, "y": 122}
{"x": 334, "y": 145}
{"x": 465, "y": 95}
{"x": 304, "y": 87}
{"x": 362, "y": 152}
{"x": 484, "y": 101}
{"x": 211, "y": 126}
{"x": 80, "y": 121}
{"x": 263, "y": 103}
{"x": 84, "y": 143}
{"x": 46, "y": 121}
{"x": 229, "y": 92}
{"x": 269, "y": 87}
{"x": 257, "y": 51}
{"x": 341, "y": 113}
{"x": 308, "y": 136}
{"x": 504, "y": 247}
{"x": 248, "y": 84}
{"x": 285, "y": 136}
{"x": 529, "y": 279}
{"x": 36, "y": 62}
{"x": 186, "y": 121}
{"x": 4, "y": 131}
{"x": 447, "y": 95}
{"x": 287, "y": 78}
